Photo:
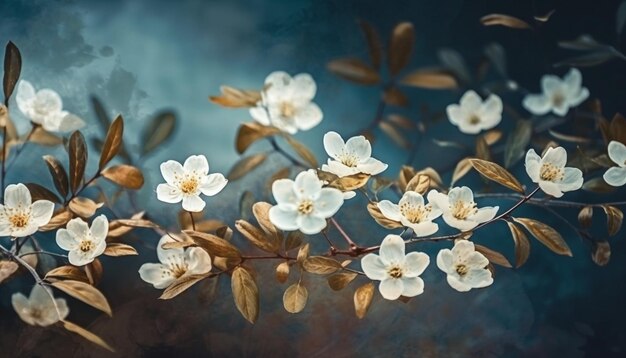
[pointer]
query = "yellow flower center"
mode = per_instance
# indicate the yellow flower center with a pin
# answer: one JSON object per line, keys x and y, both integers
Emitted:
{"x": 474, "y": 119}
{"x": 349, "y": 159}
{"x": 85, "y": 245}
{"x": 189, "y": 185}
{"x": 461, "y": 269}
{"x": 549, "y": 172}
{"x": 558, "y": 99}
{"x": 178, "y": 269}
{"x": 305, "y": 207}
{"x": 19, "y": 220}
{"x": 463, "y": 209}
{"x": 395, "y": 271}
{"x": 287, "y": 109}
{"x": 415, "y": 214}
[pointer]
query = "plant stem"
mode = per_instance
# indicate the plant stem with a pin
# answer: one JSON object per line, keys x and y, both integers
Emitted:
{"x": 552, "y": 202}
{"x": 288, "y": 156}
{"x": 193, "y": 221}
{"x": 353, "y": 246}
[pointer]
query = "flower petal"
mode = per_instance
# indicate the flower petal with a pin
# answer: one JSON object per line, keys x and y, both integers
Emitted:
{"x": 66, "y": 240}
{"x": 412, "y": 286}
{"x": 424, "y": 228}
{"x": 390, "y": 210}
{"x": 457, "y": 284}
{"x": 374, "y": 267}
{"x": 551, "y": 188}
{"x": 461, "y": 225}
{"x": 213, "y": 184}
{"x": 550, "y": 84}
{"x": 328, "y": 202}
{"x": 445, "y": 260}
{"x": 100, "y": 228}
{"x": 484, "y": 214}
{"x": 555, "y": 156}
{"x": 360, "y": 147}
{"x": 308, "y": 116}
{"x": 462, "y": 249}
{"x": 24, "y": 97}
{"x": 533, "y": 165}
{"x": 391, "y": 288}
{"x": 333, "y": 144}
{"x": 21, "y": 305}
{"x": 573, "y": 81}
{"x": 491, "y": 112}
{"x": 196, "y": 163}
{"x": 169, "y": 194}
{"x": 615, "y": 176}
{"x": 68, "y": 122}
{"x": 411, "y": 198}
{"x": 572, "y": 179}
{"x": 392, "y": 249}
{"x": 310, "y": 224}
{"x": 260, "y": 115}
{"x": 456, "y": 114}
{"x": 478, "y": 278}
{"x": 78, "y": 228}
{"x": 79, "y": 258}
{"x": 462, "y": 193}
{"x": 339, "y": 169}
{"x": 307, "y": 185}
{"x": 439, "y": 200}
{"x": 415, "y": 263}
{"x": 476, "y": 260}
{"x": 167, "y": 255}
{"x": 278, "y": 86}
{"x": 16, "y": 195}
{"x": 617, "y": 153}
{"x": 579, "y": 97}
{"x": 537, "y": 104}
{"x": 199, "y": 260}
{"x": 283, "y": 219}
{"x": 156, "y": 274}
{"x": 41, "y": 212}
{"x": 171, "y": 171}
{"x": 372, "y": 166}
{"x": 303, "y": 87}
{"x": 471, "y": 101}
{"x": 193, "y": 203}
{"x": 282, "y": 189}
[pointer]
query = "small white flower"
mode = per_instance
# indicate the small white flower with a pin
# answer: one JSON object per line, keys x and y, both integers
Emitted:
{"x": 550, "y": 172}
{"x": 351, "y": 157}
{"x": 287, "y": 103}
{"x": 175, "y": 263}
{"x": 186, "y": 182}
{"x": 616, "y": 176}
{"x": 45, "y": 107}
{"x": 303, "y": 204}
{"x": 558, "y": 95}
{"x": 38, "y": 309}
{"x": 412, "y": 212}
{"x": 84, "y": 243}
{"x": 465, "y": 267}
{"x": 459, "y": 209}
{"x": 19, "y": 216}
{"x": 472, "y": 115}
{"x": 398, "y": 273}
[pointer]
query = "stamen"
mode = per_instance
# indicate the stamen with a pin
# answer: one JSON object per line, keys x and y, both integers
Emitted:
{"x": 19, "y": 220}
{"x": 549, "y": 172}
{"x": 287, "y": 109}
{"x": 462, "y": 209}
{"x": 189, "y": 185}
{"x": 305, "y": 207}
{"x": 461, "y": 269}
{"x": 86, "y": 245}
{"x": 395, "y": 271}
{"x": 415, "y": 214}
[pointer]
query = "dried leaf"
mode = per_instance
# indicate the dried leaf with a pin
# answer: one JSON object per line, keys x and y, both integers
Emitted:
{"x": 462, "y": 168}
{"x": 493, "y": 256}
{"x": 373, "y": 43}
{"x": 545, "y": 17}
{"x": 568, "y": 138}
{"x": 43, "y": 137}
{"x": 12, "y": 70}
{"x": 546, "y": 235}
{"x": 257, "y": 237}
{"x": 282, "y": 272}
{"x": 59, "y": 176}
{"x": 157, "y": 131}
{"x": 7, "y": 268}
{"x": 504, "y": 20}
{"x": 601, "y": 252}
{"x": 112, "y": 142}
{"x": 400, "y": 47}
{"x": 321, "y": 265}
{"x": 598, "y": 185}
{"x": 245, "y": 165}
{"x": 435, "y": 178}
{"x": 125, "y": 176}
{"x": 492, "y": 137}
{"x": 614, "y": 218}
{"x": 245, "y": 293}
{"x": 494, "y": 172}
{"x": 136, "y": 223}
{"x": 295, "y": 298}
{"x": 303, "y": 253}
{"x": 396, "y": 136}
{"x": 72, "y": 327}
{"x": 430, "y": 78}
{"x": 84, "y": 292}
{"x": 585, "y": 215}
{"x": 261, "y": 211}
{"x": 101, "y": 113}
{"x": 517, "y": 142}
{"x": 236, "y": 98}
{"x": 180, "y": 285}
{"x": 381, "y": 219}
{"x": 393, "y": 96}
{"x": 118, "y": 249}
{"x": 482, "y": 149}
{"x": 39, "y": 192}
{"x": 420, "y": 184}
{"x": 59, "y": 219}
{"x": 78, "y": 160}
{"x": 401, "y": 121}
{"x": 302, "y": 151}
{"x": 454, "y": 61}
{"x": 84, "y": 207}
{"x": 249, "y": 133}
{"x": 350, "y": 182}
{"x": 363, "y": 298}
{"x": 354, "y": 70}
{"x": 293, "y": 240}
{"x": 213, "y": 244}
{"x": 340, "y": 280}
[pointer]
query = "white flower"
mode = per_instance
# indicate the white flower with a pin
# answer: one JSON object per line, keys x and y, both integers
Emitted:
{"x": 550, "y": 172}
{"x": 459, "y": 209}
{"x": 412, "y": 212}
{"x": 303, "y": 204}
{"x": 472, "y": 115}
{"x": 558, "y": 95}
{"x": 19, "y": 216}
{"x": 38, "y": 309}
{"x": 351, "y": 157}
{"x": 175, "y": 263}
{"x": 45, "y": 107}
{"x": 616, "y": 176}
{"x": 286, "y": 103}
{"x": 464, "y": 266}
{"x": 186, "y": 182}
{"x": 398, "y": 273}
{"x": 84, "y": 243}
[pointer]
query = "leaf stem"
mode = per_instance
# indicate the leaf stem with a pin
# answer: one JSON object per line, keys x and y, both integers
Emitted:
{"x": 288, "y": 156}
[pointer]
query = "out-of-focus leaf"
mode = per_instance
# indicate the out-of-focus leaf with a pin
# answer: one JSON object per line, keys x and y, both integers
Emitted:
{"x": 354, "y": 70}
{"x": 614, "y": 130}
{"x": 504, "y": 20}
{"x": 84, "y": 292}
{"x": 295, "y": 297}
{"x": 59, "y": 176}
{"x": 614, "y": 218}
{"x": 546, "y": 235}
{"x": 84, "y": 207}
{"x": 180, "y": 285}
{"x": 620, "y": 18}
{"x": 493, "y": 256}
{"x": 72, "y": 327}
{"x": 12, "y": 70}
{"x": 245, "y": 293}
{"x": 431, "y": 78}
{"x": 601, "y": 252}
{"x": 585, "y": 215}
{"x": 494, "y": 172}
{"x": 246, "y": 201}
{"x": 493, "y": 136}
{"x": 453, "y": 60}
{"x": 58, "y": 219}
{"x": 517, "y": 142}
{"x": 302, "y": 151}
{"x": 496, "y": 54}
{"x": 462, "y": 168}
{"x": 396, "y": 136}
{"x": 400, "y": 47}
{"x": 568, "y": 138}
{"x": 482, "y": 149}
{"x": 43, "y": 137}
{"x": 363, "y": 298}
{"x": 545, "y": 17}
{"x": 598, "y": 185}
{"x": 7, "y": 268}
{"x": 249, "y": 133}
{"x": 112, "y": 142}
{"x": 400, "y": 121}
{"x": 236, "y": 98}
{"x": 157, "y": 131}
{"x": 373, "y": 43}
{"x": 340, "y": 280}
{"x": 393, "y": 96}
{"x": 78, "y": 160}
{"x": 125, "y": 176}
{"x": 39, "y": 192}
{"x": 591, "y": 59}
{"x": 381, "y": 219}
{"x": 448, "y": 144}
{"x": 245, "y": 165}
{"x": 101, "y": 113}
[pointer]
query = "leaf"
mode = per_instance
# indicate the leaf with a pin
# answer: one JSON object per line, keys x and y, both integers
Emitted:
{"x": 598, "y": 185}
{"x": 504, "y": 20}
{"x": 585, "y": 215}
{"x": 256, "y": 236}
{"x": 246, "y": 294}
{"x": 400, "y": 47}
{"x": 39, "y": 192}
{"x": 354, "y": 70}
{"x": 7, "y": 268}
{"x": 295, "y": 297}
{"x": 517, "y": 142}
{"x": 420, "y": 184}
{"x": 430, "y": 78}
{"x": 72, "y": 327}
{"x": 362, "y": 299}
{"x": 620, "y": 19}
{"x": 124, "y": 175}
{"x": 245, "y": 165}
{"x": 462, "y": 168}
{"x": 495, "y": 52}
{"x": 43, "y": 137}
{"x": 590, "y": 59}
{"x": 482, "y": 149}
{"x": 614, "y": 218}
{"x": 112, "y": 142}
{"x": 373, "y": 43}
{"x": 118, "y": 249}
{"x": 213, "y": 244}
{"x": 282, "y": 272}
{"x": 261, "y": 211}
{"x": 568, "y": 138}
{"x": 158, "y": 131}
{"x": 340, "y": 280}
{"x": 400, "y": 121}
{"x": 101, "y": 113}
{"x": 545, "y": 17}
{"x": 180, "y": 285}
{"x": 78, "y": 160}
{"x": 493, "y": 256}
{"x": 381, "y": 219}
{"x": 454, "y": 61}
{"x": 84, "y": 207}
{"x": 601, "y": 252}
{"x": 546, "y": 235}
{"x": 249, "y": 133}
{"x": 12, "y": 70}
{"x": 293, "y": 240}
{"x": 94, "y": 271}
{"x": 395, "y": 97}
{"x": 67, "y": 272}
{"x": 494, "y": 172}
{"x": 59, "y": 176}
{"x": 59, "y": 219}
{"x": 321, "y": 265}
{"x": 302, "y": 151}
{"x": 137, "y": 223}
{"x": 84, "y": 292}
{"x": 396, "y": 136}
{"x": 303, "y": 253}
{"x": 236, "y": 98}
{"x": 350, "y": 182}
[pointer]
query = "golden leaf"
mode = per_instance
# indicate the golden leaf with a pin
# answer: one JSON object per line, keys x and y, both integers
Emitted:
{"x": 157, "y": 131}
{"x": 256, "y": 236}
{"x": 245, "y": 293}
{"x": 7, "y": 268}
{"x": 320, "y": 265}
{"x": 207, "y": 225}
{"x": 84, "y": 207}
{"x": 406, "y": 174}
{"x": 435, "y": 178}
{"x": 43, "y": 137}
{"x": 112, "y": 142}
{"x": 302, "y": 151}
{"x": 293, "y": 240}
{"x": 373, "y": 43}
{"x": 492, "y": 136}
{"x": 363, "y": 298}
{"x": 12, "y": 70}
{"x": 546, "y": 235}
{"x": 236, "y": 98}
{"x": 504, "y": 20}
{"x": 494, "y": 172}
{"x": 493, "y": 256}
{"x": 118, "y": 249}
{"x": 94, "y": 271}
{"x": 614, "y": 218}
{"x": 585, "y": 215}
{"x": 482, "y": 149}
{"x": 355, "y": 70}
{"x": 67, "y": 272}
{"x": 598, "y": 185}
{"x": 249, "y": 133}
{"x": 401, "y": 121}
{"x": 396, "y": 97}
{"x": 245, "y": 165}
{"x": 59, "y": 219}
{"x": 350, "y": 182}
{"x": 125, "y": 176}
{"x": 282, "y": 272}
{"x": 381, "y": 219}
{"x": 522, "y": 246}
{"x": 59, "y": 176}
{"x": 295, "y": 297}
{"x": 517, "y": 142}
{"x": 400, "y": 47}
{"x": 303, "y": 253}
{"x": 213, "y": 244}
{"x": 340, "y": 280}
{"x": 420, "y": 183}
{"x": 430, "y": 78}
{"x": 78, "y": 159}
{"x": 601, "y": 252}
{"x": 261, "y": 213}
{"x": 72, "y": 327}
{"x": 39, "y": 192}
{"x": 462, "y": 168}
{"x": 84, "y": 292}
{"x": 180, "y": 285}
{"x": 396, "y": 136}
{"x": 136, "y": 223}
